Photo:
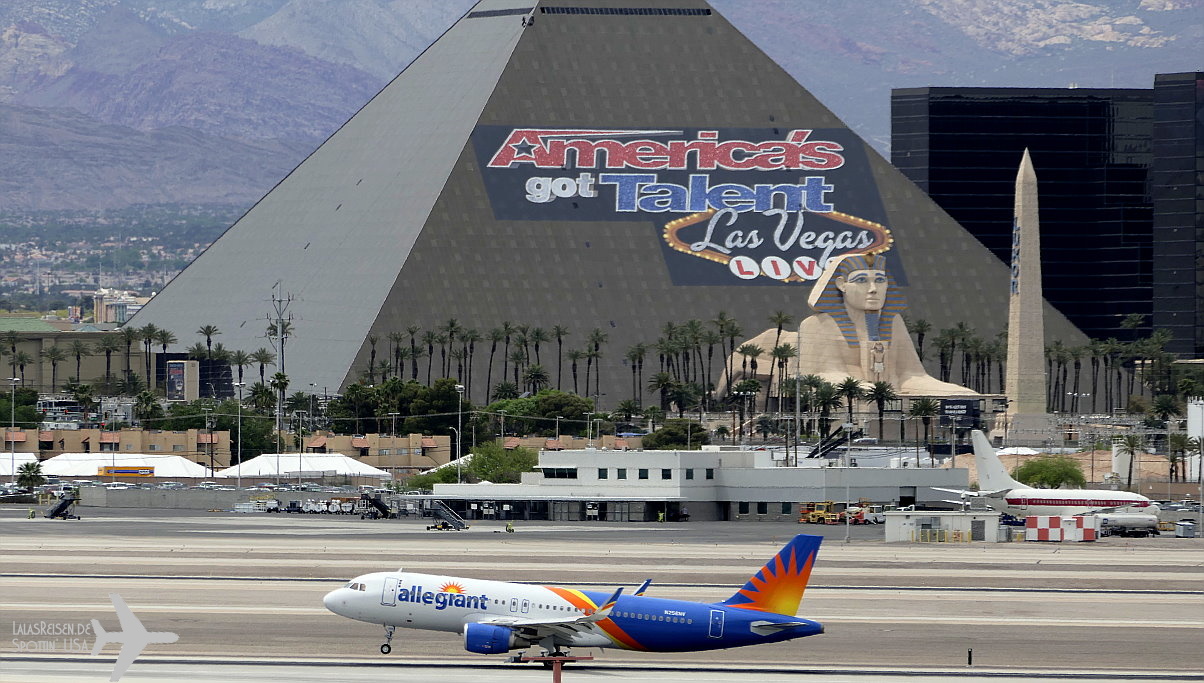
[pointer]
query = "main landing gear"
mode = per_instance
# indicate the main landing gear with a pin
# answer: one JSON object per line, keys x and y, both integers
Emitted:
{"x": 386, "y": 648}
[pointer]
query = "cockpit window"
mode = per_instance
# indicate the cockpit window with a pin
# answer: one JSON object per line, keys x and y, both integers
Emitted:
{"x": 355, "y": 586}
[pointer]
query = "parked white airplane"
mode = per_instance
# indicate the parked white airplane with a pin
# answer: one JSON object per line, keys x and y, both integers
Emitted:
{"x": 133, "y": 637}
{"x": 1005, "y": 494}
{"x": 496, "y": 617}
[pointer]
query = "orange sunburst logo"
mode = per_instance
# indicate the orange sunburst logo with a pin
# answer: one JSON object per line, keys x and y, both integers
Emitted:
{"x": 778, "y": 587}
{"x": 452, "y": 588}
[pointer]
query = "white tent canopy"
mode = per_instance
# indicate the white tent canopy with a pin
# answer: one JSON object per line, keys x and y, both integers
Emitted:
{"x": 88, "y": 464}
{"x": 10, "y": 462}
{"x": 308, "y": 464}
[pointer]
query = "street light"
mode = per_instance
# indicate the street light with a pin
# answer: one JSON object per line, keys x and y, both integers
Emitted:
{"x": 240, "y": 385}
{"x": 459, "y": 425}
{"x": 589, "y": 425}
{"x": 393, "y": 428}
{"x": 459, "y": 471}
{"x": 558, "y": 419}
{"x": 12, "y": 424}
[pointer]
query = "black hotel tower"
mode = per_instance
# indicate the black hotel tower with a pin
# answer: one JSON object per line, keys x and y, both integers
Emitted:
{"x": 1119, "y": 175}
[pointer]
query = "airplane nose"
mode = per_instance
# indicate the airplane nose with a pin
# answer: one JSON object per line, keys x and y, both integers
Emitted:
{"x": 333, "y": 601}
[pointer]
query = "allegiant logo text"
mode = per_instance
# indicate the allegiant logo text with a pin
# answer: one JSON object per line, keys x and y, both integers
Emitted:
{"x": 442, "y": 600}
{"x": 563, "y": 149}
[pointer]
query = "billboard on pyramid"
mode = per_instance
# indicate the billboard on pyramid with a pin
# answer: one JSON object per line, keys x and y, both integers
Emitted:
{"x": 587, "y": 164}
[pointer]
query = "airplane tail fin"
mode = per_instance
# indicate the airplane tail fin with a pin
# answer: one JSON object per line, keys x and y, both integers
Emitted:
{"x": 102, "y": 637}
{"x": 991, "y": 474}
{"x": 778, "y": 587}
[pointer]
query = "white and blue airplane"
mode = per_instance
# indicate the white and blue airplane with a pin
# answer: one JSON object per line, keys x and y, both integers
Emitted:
{"x": 496, "y": 616}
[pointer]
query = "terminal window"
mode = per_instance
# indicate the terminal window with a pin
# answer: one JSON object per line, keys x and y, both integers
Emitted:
{"x": 689, "y": 474}
{"x": 785, "y": 508}
{"x": 666, "y": 474}
{"x": 762, "y": 508}
{"x": 643, "y": 473}
{"x": 620, "y": 473}
{"x": 710, "y": 473}
{"x": 603, "y": 473}
{"x": 743, "y": 508}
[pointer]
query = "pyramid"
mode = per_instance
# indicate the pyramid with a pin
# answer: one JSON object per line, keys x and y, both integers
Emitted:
{"x": 582, "y": 163}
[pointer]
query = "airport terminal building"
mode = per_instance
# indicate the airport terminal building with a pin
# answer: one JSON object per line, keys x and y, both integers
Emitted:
{"x": 578, "y": 164}
{"x": 728, "y": 485}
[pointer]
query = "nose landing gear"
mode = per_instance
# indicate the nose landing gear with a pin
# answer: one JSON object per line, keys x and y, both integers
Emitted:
{"x": 386, "y": 648}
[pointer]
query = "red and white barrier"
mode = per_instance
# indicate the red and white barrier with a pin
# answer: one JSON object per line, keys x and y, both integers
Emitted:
{"x": 1080, "y": 529}
{"x": 1058, "y": 529}
{"x": 1043, "y": 528}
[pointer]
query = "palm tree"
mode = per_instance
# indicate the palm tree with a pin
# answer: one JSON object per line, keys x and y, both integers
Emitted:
{"x": 538, "y": 336}
{"x": 850, "y": 390}
{"x": 21, "y": 359}
{"x": 635, "y": 356}
{"x": 54, "y": 355}
{"x": 29, "y": 475}
{"x": 262, "y": 398}
{"x": 146, "y": 407}
{"x": 263, "y": 358}
{"x": 535, "y": 378}
{"x": 780, "y": 319}
{"x": 79, "y": 349}
{"x": 148, "y": 335}
{"x": 108, "y": 345}
{"x": 164, "y": 338}
{"x": 626, "y": 408}
{"x": 240, "y": 359}
{"x": 209, "y": 332}
{"x": 507, "y": 330}
{"x": 662, "y": 382}
{"x": 880, "y": 393}
{"x": 516, "y": 357}
{"x": 946, "y": 344}
{"x": 1177, "y": 444}
{"x": 921, "y": 328}
{"x": 559, "y": 332}
{"x": 1130, "y": 445}
{"x": 596, "y": 339}
{"x": 469, "y": 338}
{"x": 495, "y": 335}
{"x": 825, "y": 399}
{"x": 412, "y": 331}
{"x": 372, "y": 341}
{"x": 781, "y": 355}
{"x": 574, "y": 356}
{"x": 429, "y": 338}
{"x": 925, "y": 409}
{"x": 130, "y": 336}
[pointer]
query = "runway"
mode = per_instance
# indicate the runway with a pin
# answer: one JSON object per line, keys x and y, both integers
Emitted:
{"x": 241, "y": 589}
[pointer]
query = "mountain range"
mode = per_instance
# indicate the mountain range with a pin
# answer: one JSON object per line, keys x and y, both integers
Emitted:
{"x": 108, "y": 103}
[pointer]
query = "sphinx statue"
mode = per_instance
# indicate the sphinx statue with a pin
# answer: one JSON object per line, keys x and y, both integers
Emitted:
{"x": 857, "y": 331}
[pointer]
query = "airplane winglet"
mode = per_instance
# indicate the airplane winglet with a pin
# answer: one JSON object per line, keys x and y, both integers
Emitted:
{"x": 643, "y": 587}
{"x": 605, "y": 608}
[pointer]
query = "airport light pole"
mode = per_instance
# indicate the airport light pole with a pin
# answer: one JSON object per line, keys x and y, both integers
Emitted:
{"x": 558, "y": 419}
{"x": 503, "y": 434}
{"x": 589, "y": 426}
{"x": 12, "y": 424}
{"x": 459, "y": 417}
{"x": 393, "y": 428}
{"x": 459, "y": 470}
{"x": 240, "y": 385}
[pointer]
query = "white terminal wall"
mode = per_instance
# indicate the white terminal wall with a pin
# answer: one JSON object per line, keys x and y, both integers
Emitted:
{"x": 737, "y": 478}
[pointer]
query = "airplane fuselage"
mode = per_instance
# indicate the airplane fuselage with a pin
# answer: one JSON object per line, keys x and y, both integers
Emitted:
{"x": 1023, "y": 502}
{"x": 447, "y": 603}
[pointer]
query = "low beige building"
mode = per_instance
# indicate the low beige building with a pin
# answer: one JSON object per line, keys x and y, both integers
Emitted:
{"x": 197, "y": 445}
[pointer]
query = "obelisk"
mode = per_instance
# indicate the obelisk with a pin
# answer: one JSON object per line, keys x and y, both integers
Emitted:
{"x": 1025, "y": 386}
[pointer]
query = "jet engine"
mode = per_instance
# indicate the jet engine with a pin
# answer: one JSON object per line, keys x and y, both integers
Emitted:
{"x": 488, "y": 639}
